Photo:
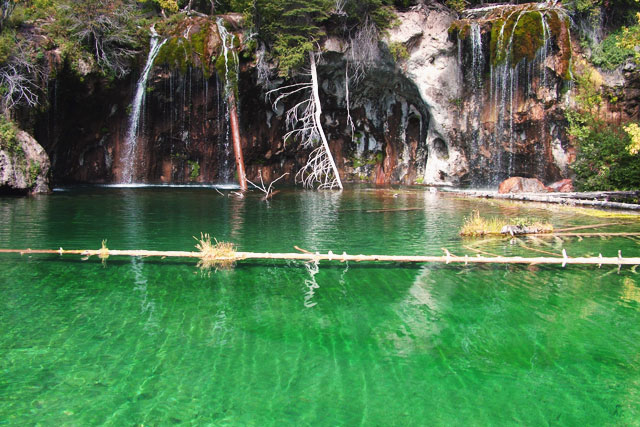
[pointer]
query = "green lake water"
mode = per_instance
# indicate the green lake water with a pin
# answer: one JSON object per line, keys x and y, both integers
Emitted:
{"x": 156, "y": 342}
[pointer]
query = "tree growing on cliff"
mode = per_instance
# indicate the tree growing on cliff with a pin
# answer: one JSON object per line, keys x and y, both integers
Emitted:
{"x": 106, "y": 28}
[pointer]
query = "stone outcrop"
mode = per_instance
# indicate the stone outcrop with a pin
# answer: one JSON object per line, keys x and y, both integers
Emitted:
{"x": 432, "y": 65}
{"x": 24, "y": 166}
{"x": 517, "y": 185}
{"x": 562, "y": 186}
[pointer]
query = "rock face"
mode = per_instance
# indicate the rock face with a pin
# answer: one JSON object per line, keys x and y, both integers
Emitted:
{"x": 433, "y": 67}
{"x": 517, "y": 184}
{"x": 428, "y": 115}
{"x": 24, "y": 166}
{"x": 562, "y": 186}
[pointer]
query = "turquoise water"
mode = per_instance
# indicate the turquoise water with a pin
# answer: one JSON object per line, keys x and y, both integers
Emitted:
{"x": 156, "y": 342}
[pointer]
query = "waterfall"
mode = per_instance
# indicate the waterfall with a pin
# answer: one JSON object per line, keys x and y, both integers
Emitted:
{"x": 523, "y": 40}
{"x": 229, "y": 81}
{"x": 128, "y": 156}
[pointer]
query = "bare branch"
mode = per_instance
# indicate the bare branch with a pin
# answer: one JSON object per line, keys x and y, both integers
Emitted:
{"x": 268, "y": 191}
{"x": 19, "y": 78}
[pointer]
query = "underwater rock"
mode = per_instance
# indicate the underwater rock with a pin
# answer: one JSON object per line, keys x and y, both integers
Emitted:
{"x": 518, "y": 184}
{"x": 24, "y": 166}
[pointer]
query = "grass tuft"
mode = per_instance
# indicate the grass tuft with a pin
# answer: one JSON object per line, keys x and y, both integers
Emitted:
{"x": 218, "y": 255}
{"x": 476, "y": 225}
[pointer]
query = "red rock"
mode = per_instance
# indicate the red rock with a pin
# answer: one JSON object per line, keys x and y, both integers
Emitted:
{"x": 562, "y": 186}
{"x": 518, "y": 184}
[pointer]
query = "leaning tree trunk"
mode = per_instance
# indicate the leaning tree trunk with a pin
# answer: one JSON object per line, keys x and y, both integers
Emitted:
{"x": 317, "y": 118}
{"x": 235, "y": 136}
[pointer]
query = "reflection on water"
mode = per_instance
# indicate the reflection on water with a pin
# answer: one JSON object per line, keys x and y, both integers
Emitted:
{"x": 149, "y": 341}
{"x": 312, "y": 268}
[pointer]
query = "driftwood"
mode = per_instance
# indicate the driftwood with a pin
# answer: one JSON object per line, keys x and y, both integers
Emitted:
{"x": 589, "y": 227}
{"x": 448, "y": 258}
{"x": 568, "y": 199}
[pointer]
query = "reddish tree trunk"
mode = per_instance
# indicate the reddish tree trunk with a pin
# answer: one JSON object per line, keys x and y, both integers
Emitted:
{"x": 237, "y": 145}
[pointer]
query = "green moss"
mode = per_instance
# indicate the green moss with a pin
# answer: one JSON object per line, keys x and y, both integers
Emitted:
{"x": 610, "y": 53}
{"x": 521, "y": 34}
{"x": 461, "y": 28}
{"x": 496, "y": 51}
{"x": 194, "y": 168}
{"x": 8, "y": 137}
{"x": 226, "y": 68}
{"x": 357, "y": 162}
{"x": 528, "y": 37}
{"x": 398, "y": 51}
{"x": 181, "y": 53}
{"x": 33, "y": 172}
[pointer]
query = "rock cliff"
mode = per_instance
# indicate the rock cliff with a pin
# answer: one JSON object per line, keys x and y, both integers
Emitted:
{"x": 24, "y": 165}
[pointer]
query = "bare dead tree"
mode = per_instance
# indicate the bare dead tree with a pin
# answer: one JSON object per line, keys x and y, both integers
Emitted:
{"x": 338, "y": 7}
{"x": 103, "y": 27}
{"x": 264, "y": 71}
{"x": 268, "y": 191}
{"x": 19, "y": 77}
{"x": 361, "y": 54}
{"x": 304, "y": 120}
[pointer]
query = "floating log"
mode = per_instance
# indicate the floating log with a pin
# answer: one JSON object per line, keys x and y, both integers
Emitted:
{"x": 568, "y": 199}
{"x": 448, "y": 258}
{"x": 589, "y": 227}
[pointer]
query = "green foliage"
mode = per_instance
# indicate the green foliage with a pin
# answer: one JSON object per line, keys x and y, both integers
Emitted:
{"x": 8, "y": 136}
{"x": 292, "y": 27}
{"x": 104, "y": 28}
{"x": 398, "y": 51}
{"x": 7, "y": 45}
{"x": 631, "y": 38}
{"x": 457, "y": 5}
{"x": 194, "y": 169}
{"x": 181, "y": 52}
{"x": 603, "y": 162}
{"x": 165, "y": 5}
{"x": 588, "y": 94}
{"x": 33, "y": 172}
{"x": 633, "y": 130}
{"x": 611, "y": 52}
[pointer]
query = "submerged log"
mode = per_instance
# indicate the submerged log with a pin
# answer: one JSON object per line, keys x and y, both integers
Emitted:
{"x": 448, "y": 258}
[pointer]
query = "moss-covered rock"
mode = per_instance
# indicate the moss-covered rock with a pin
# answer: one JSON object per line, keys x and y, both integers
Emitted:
{"x": 192, "y": 42}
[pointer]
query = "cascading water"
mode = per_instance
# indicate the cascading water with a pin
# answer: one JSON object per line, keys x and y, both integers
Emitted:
{"x": 229, "y": 82}
{"x": 522, "y": 39}
{"x": 128, "y": 156}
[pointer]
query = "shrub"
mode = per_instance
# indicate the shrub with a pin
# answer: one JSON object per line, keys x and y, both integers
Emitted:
{"x": 604, "y": 161}
{"x": 610, "y": 53}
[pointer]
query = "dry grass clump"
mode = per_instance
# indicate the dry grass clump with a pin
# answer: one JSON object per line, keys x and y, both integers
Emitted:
{"x": 103, "y": 253}
{"x": 476, "y": 225}
{"x": 220, "y": 256}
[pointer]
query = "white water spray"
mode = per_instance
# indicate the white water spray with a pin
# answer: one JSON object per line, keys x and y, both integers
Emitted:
{"x": 128, "y": 156}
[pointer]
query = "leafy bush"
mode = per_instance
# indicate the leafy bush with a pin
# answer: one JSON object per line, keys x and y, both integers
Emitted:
{"x": 610, "y": 53}
{"x": 604, "y": 161}
{"x": 8, "y": 136}
{"x": 398, "y": 51}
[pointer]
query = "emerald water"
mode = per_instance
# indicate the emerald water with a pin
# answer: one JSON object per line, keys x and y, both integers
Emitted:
{"x": 156, "y": 342}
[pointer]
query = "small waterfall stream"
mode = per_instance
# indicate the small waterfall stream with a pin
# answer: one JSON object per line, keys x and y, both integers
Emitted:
{"x": 229, "y": 80}
{"x": 128, "y": 156}
{"x": 516, "y": 55}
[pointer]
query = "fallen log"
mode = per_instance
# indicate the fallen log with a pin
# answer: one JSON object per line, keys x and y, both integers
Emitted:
{"x": 550, "y": 198}
{"x": 233, "y": 257}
